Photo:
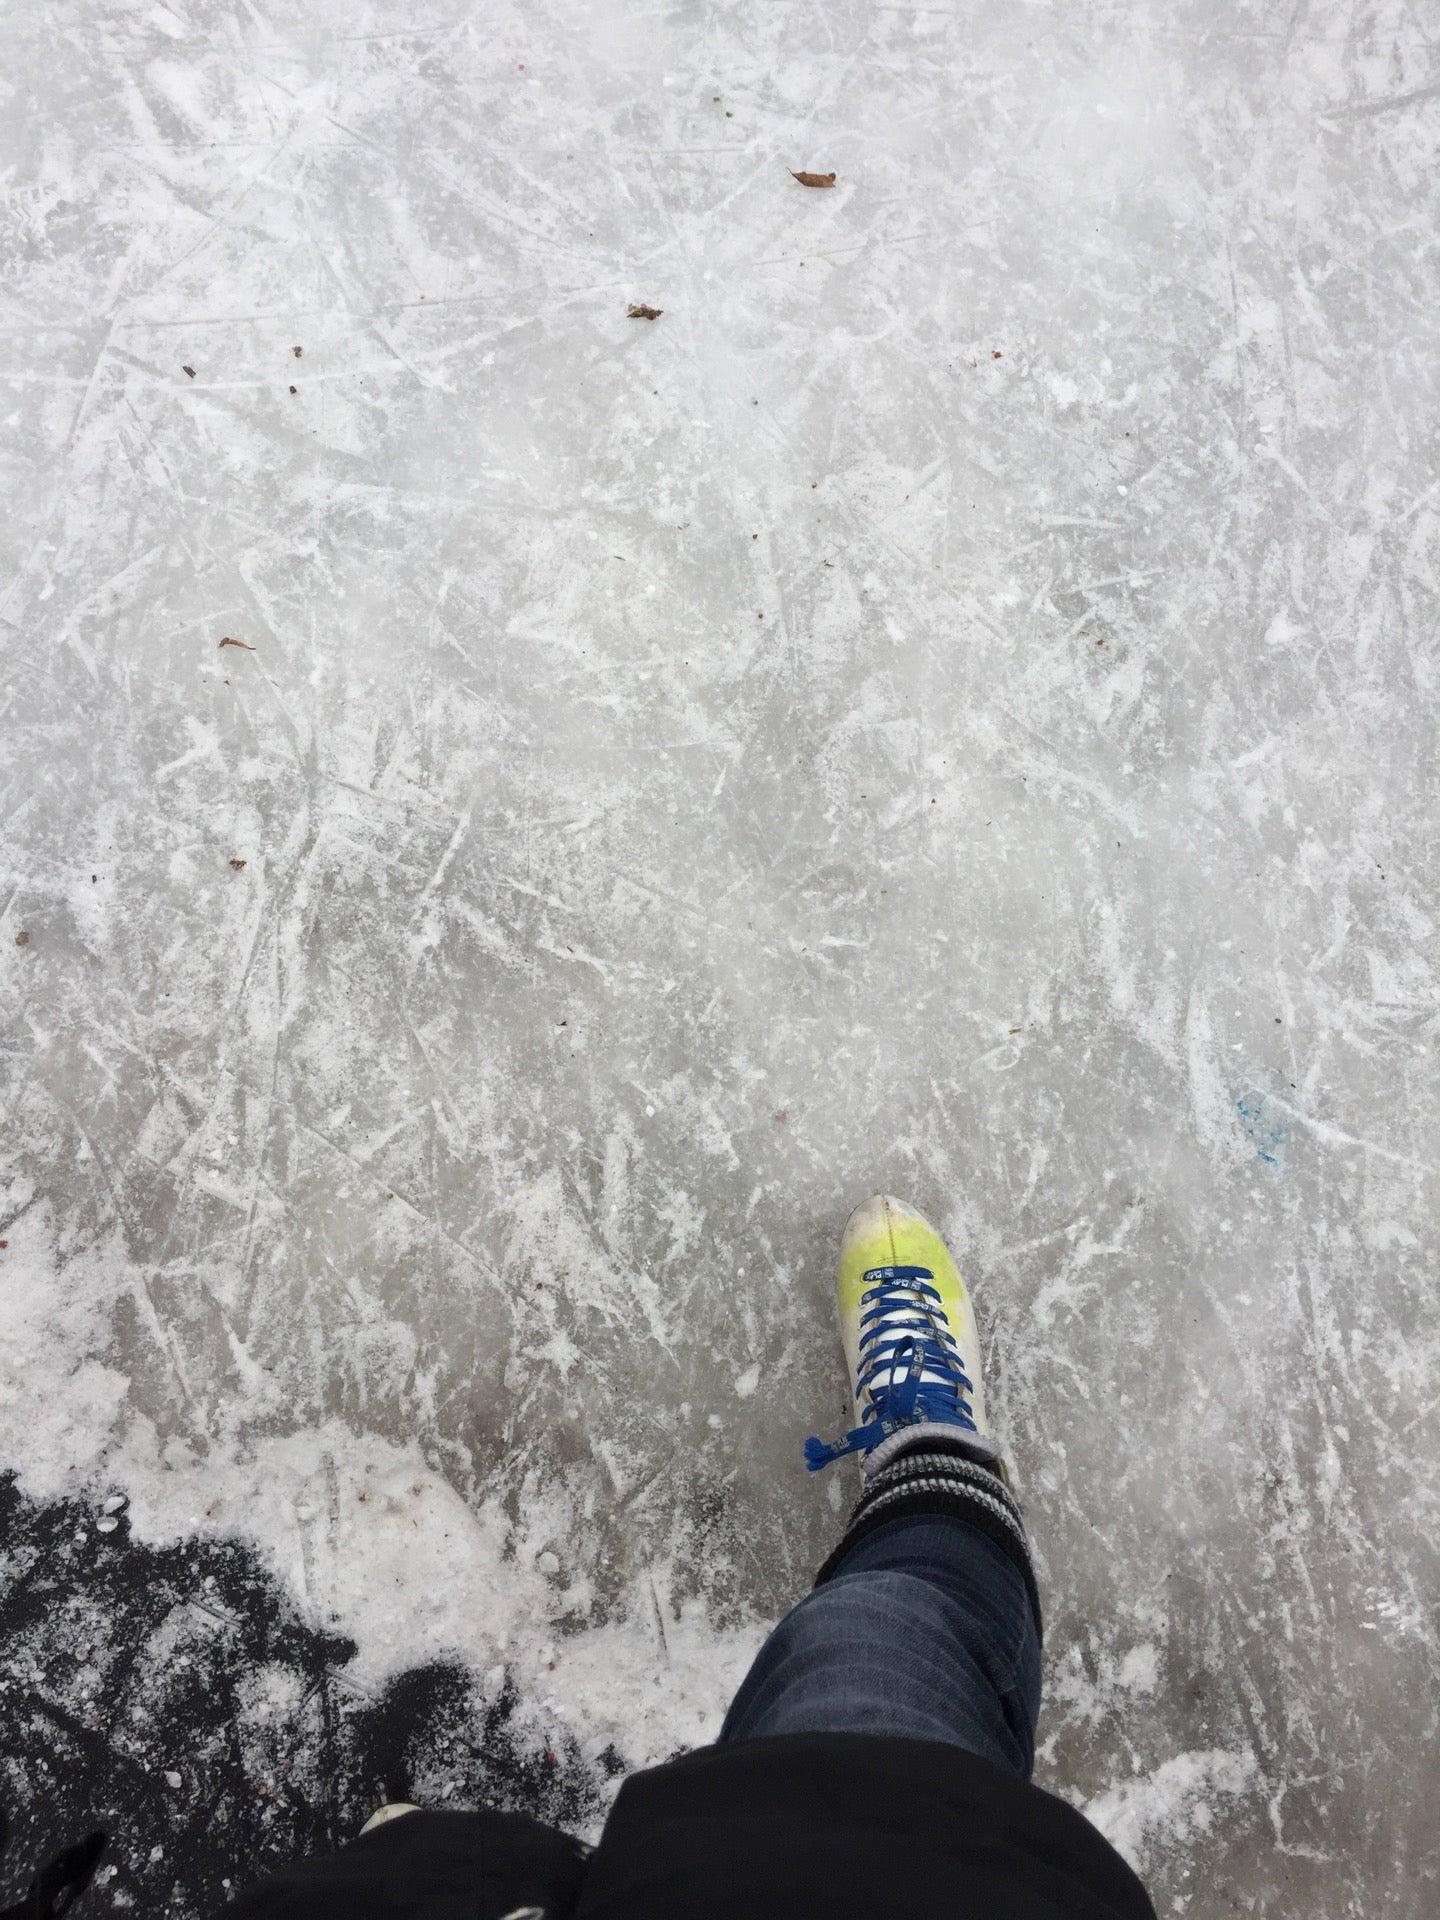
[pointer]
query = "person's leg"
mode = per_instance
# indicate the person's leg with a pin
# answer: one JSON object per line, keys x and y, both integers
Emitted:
{"x": 924, "y": 1623}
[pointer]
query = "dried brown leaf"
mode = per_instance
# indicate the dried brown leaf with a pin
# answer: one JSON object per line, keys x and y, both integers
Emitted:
{"x": 813, "y": 179}
{"x": 228, "y": 642}
{"x": 238, "y": 865}
{"x": 637, "y": 310}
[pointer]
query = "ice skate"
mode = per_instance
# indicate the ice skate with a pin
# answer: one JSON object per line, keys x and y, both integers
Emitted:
{"x": 911, "y": 1343}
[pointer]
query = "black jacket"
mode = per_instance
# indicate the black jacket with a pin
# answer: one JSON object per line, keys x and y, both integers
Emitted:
{"x": 809, "y": 1827}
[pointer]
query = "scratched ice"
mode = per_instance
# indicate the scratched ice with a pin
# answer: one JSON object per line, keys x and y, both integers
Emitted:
{"x": 949, "y": 705}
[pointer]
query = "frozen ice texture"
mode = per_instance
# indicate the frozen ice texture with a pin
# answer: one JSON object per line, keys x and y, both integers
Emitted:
{"x": 948, "y": 706}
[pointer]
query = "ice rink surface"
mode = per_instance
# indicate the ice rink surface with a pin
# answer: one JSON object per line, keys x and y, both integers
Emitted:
{"x": 949, "y": 706}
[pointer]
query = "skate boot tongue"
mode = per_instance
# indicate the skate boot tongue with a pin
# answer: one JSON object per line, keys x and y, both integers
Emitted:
{"x": 909, "y": 1372}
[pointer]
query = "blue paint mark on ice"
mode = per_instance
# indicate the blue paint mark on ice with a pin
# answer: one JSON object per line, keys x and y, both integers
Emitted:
{"x": 1266, "y": 1125}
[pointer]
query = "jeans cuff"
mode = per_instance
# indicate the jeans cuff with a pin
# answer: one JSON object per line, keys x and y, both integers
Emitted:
{"x": 939, "y": 1478}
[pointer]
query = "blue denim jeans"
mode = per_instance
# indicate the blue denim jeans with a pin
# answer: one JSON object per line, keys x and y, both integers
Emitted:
{"x": 924, "y": 1630}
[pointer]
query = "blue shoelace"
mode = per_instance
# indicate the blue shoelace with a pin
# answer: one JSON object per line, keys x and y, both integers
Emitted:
{"x": 904, "y": 1333}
